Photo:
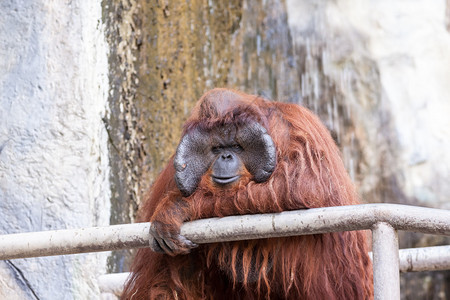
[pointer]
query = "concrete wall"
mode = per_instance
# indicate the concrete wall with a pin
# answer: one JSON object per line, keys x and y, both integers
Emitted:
{"x": 54, "y": 170}
{"x": 385, "y": 66}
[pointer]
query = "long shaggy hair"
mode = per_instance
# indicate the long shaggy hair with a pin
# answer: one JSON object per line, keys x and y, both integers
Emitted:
{"x": 309, "y": 174}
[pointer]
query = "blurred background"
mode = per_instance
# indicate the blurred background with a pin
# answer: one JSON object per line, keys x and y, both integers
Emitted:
{"x": 93, "y": 95}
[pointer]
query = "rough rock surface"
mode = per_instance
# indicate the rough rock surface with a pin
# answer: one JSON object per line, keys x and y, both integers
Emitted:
{"x": 54, "y": 171}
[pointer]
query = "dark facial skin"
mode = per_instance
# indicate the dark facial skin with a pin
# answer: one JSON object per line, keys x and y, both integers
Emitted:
{"x": 226, "y": 150}
{"x": 225, "y": 169}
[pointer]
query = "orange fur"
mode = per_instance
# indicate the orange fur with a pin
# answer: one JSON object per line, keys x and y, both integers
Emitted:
{"x": 309, "y": 173}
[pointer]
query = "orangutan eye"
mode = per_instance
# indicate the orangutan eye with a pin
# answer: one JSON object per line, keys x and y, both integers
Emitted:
{"x": 216, "y": 149}
{"x": 237, "y": 148}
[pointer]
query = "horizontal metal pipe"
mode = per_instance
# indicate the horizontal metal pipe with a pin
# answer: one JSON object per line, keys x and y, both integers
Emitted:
{"x": 112, "y": 283}
{"x": 300, "y": 222}
{"x": 318, "y": 220}
{"x": 411, "y": 260}
{"x": 71, "y": 241}
{"x": 425, "y": 259}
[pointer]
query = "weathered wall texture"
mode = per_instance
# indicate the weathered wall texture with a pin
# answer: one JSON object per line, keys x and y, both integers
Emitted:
{"x": 54, "y": 170}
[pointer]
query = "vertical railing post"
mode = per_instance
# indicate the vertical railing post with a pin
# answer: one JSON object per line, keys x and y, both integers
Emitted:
{"x": 386, "y": 273}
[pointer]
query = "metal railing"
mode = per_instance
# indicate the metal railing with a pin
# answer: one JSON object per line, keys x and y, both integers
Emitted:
{"x": 410, "y": 260}
{"x": 383, "y": 219}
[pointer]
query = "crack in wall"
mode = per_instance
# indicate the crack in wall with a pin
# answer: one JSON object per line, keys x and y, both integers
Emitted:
{"x": 21, "y": 279}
